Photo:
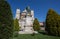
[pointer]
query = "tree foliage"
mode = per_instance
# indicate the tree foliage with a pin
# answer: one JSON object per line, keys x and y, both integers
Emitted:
{"x": 58, "y": 25}
{"x": 36, "y": 25}
{"x": 52, "y": 22}
{"x": 16, "y": 25}
{"x": 6, "y": 20}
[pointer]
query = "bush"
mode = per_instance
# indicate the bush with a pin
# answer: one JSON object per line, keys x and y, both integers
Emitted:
{"x": 33, "y": 34}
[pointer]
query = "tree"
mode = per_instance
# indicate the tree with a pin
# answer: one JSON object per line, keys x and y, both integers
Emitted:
{"x": 52, "y": 22}
{"x": 6, "y": 20}
{"x": 36, "y": 25}
{"x": 16, "y": 25}
{"x": 58, "y": 25}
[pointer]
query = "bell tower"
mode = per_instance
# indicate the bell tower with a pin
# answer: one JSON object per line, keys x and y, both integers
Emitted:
{"x": 17, "y": 13}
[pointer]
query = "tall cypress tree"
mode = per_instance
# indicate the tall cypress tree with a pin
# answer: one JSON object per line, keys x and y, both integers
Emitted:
{"x": 58, "y": 25}
{"x": 16, "y": 25}
{"x": 6, "y": 20}
{"x": 51, "y": 22}
{"x": 36, "y": 25}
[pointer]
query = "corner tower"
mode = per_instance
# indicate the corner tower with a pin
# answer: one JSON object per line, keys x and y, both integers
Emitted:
{"x": 17, "y": 13}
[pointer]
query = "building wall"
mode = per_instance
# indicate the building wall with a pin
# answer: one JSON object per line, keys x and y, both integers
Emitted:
{"x": 25, "y": 20}
{"x": 42, "y": 26}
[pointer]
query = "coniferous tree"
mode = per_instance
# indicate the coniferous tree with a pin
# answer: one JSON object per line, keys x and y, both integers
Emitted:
{"x": 36, "y": 25}
{"x": 58, "y": 25}
{"x": 6, "y": 20}
{"x": 16, "y": 25}
{"x": 52, "y": 22}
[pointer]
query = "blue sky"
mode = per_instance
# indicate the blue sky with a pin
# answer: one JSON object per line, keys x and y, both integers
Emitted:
{"x": 40, "y": 7}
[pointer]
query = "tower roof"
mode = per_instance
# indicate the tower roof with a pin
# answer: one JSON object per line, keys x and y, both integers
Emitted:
{"x": 17, "y": 10}
{"x": 28, "y": 9}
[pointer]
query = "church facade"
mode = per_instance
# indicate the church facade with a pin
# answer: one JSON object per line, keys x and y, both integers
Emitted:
{"x": 25, "y": 19}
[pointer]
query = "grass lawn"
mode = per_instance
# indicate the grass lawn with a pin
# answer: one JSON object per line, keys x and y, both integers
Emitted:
{"x": 37, "y": 36}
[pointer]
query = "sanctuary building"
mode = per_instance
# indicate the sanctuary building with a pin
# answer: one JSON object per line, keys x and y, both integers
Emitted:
{"x": 25, "y": 19}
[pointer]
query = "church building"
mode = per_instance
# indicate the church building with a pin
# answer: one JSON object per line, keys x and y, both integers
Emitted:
{"x": 25, "y": 19}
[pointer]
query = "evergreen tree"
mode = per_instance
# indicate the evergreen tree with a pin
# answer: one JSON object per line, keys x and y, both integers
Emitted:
{"x": 16, "y": 25}
{"x": 58, "y": 25}
{"x": 36, "y": 25}
{"x": 52, "y": 22}
{"x": 6, "y": 20}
